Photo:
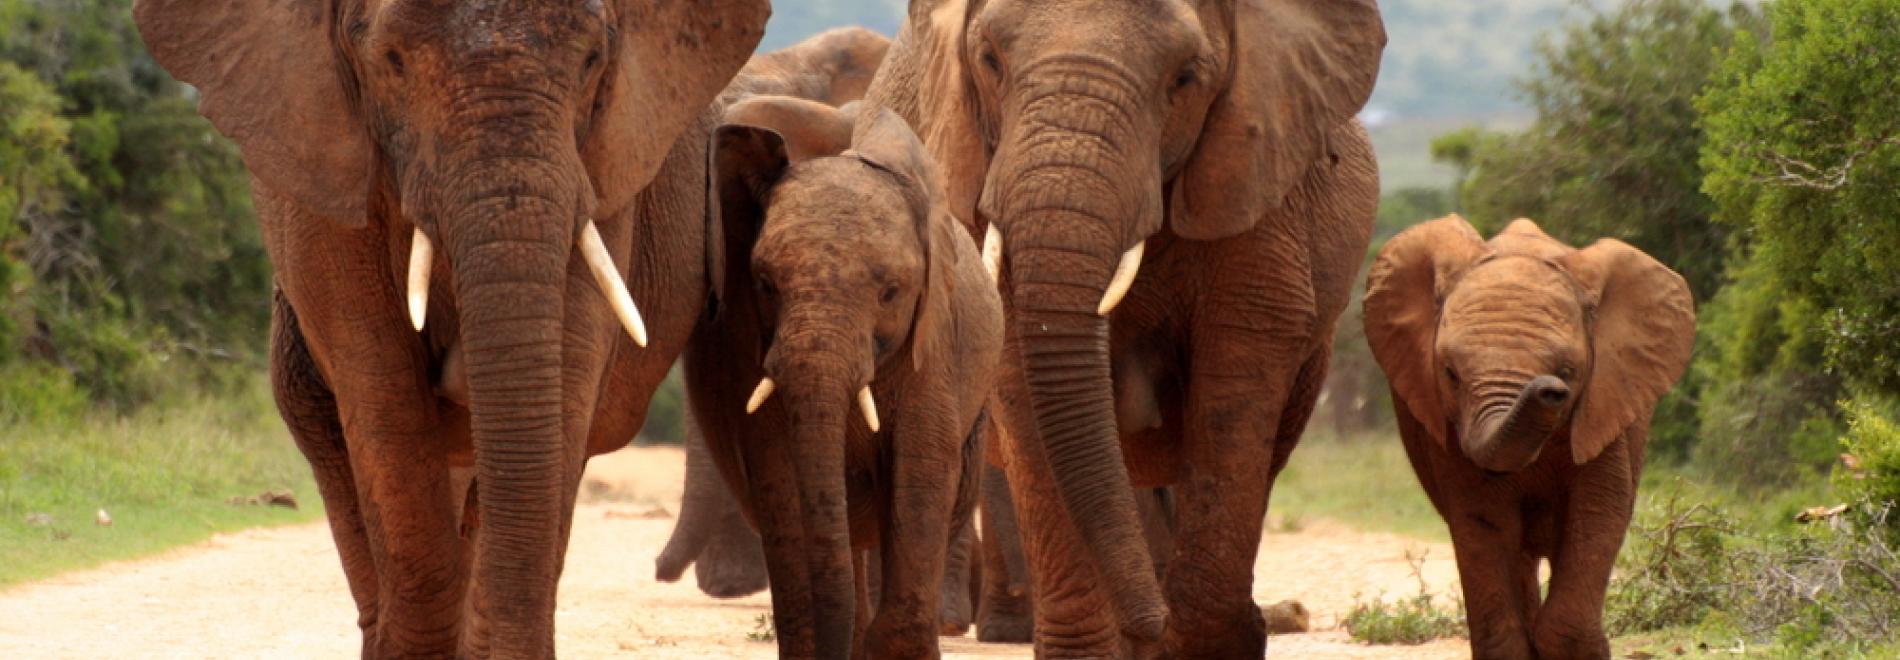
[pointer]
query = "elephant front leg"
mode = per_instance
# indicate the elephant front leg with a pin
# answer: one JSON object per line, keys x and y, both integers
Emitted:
{"x": 309, "y": 410}
{"x": 957, "y": 607}
{"x": 926, "y": 460}
{"x": 1006, "y": 613}
{"x": 1487, "y": 532}
{"x": 1570, "y": 624}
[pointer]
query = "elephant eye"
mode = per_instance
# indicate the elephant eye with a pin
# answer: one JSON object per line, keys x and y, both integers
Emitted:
{"x": 1566, "y": 372}
{"x": 394, "y": 60}
{"x": 766, "y": 288}
{"x": 990, "y": 61}
{"x": 593, "y": 60}
{"x": 890, "y": 294}
{"x": 1452, "y": 374}
{"x": 1183, "y": 79}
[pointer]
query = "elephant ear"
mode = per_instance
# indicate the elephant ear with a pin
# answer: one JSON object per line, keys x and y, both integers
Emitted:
{"x": 946, "y": 103}
{"x": 268, "y": 77}
{"x": 674, "y": 58}
{"x": 744, "y": 162}
{"x": 1641, "y": 338}
{"x": 1404, "y": 292}
{"x": 1300, "y": 68}
{"x": 883, "y": 139}
{"x": 810, "y": 129}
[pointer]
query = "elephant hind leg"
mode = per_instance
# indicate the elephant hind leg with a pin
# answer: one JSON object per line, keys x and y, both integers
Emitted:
{"x": 308, "y": 407}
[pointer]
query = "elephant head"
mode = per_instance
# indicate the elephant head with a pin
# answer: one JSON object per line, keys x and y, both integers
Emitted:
{"x": 1072, "y": 130}
{"x": 1507, "y": 345}
{"x": 828, "y": 222}
{"x": 497, "y": 130}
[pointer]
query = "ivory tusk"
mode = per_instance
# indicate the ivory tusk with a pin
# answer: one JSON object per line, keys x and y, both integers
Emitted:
{"x": 602, "y": 264}
{"x": 869, "y": 406}
{"x": 421, "y": 254}
{"x": 1124, "y": 278}
{"x": 759, "y": 395}
{"x": 993, "y": 252}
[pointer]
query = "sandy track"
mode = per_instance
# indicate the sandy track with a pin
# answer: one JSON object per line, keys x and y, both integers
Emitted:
{"x": 279, "y": 593}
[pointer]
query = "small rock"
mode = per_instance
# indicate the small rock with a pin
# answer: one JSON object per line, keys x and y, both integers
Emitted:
{"x": 1285, "y": 617}
{"x": 41, "y": 519}
{"x": 104, "y": 519}
{"x": 282, "y": 498}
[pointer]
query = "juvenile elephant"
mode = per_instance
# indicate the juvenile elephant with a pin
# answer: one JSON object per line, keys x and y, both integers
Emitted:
{"x": 456, "y": 202}
{"x": 1524, "y": 374}
{"x": 1180, "y": 198}
{"x": 832, "y": 67}
{"x": 846, "y": 298}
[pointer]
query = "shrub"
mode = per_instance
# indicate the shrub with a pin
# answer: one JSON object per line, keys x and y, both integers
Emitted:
{"x": 1413, "y": 620}
{"x": 1674, "y": 569}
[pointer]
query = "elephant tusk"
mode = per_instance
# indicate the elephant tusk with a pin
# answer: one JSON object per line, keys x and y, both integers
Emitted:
{"x": 1124, "y": 278}
{"x": 605, "y": 275}
{"x": 759, "y": 395}
{"x": 869, "y": 406}
{"x": 993, "y": 252}
{"x": 421, "y": 254}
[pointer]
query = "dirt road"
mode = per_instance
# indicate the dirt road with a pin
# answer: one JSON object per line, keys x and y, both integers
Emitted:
{"x": 279, "y": 593}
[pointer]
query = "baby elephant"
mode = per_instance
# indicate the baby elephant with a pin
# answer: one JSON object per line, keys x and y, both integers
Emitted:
{"x": 841, "y": 379}
{"x": 1524, "y": 373}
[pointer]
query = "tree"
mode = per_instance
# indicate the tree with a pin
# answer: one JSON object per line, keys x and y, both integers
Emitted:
{"x": 1804, "y": 155}
{"x": 1614, "y": 148}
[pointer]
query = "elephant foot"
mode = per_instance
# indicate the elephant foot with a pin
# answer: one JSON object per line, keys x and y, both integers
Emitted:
{"x": 732, "y": 569}
{"x": 1005, "y": 620}
{"x": 955, "y": 615}
{"x": 1243, "y": 636}
{"x": 1583, "y": 645}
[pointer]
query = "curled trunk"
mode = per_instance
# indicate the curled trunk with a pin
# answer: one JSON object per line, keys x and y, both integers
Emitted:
{"x": 1507, "y": 439}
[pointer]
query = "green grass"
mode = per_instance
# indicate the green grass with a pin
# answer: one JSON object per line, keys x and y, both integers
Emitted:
{"x": 1363, "y": 481}
{"x": 163, "y": 474}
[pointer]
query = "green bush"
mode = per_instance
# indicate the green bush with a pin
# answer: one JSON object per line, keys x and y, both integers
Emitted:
{"x": 1414, "y": 620}
{"x": 1674, "y": 569}
{"x": 1869, "y": 478}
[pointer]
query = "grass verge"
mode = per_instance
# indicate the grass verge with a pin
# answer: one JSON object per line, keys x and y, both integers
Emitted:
{"x": 1364, "y": 481}
{"x": 163, "y": 474}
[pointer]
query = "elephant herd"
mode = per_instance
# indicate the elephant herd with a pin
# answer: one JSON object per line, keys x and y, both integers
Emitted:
{"x": 1079, "y": 260}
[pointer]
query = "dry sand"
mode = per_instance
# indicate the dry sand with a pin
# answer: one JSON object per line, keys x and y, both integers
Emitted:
{"x": 279, "y": 593}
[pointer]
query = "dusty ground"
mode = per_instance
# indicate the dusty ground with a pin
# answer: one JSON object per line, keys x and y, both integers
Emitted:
{"x": 279, "y": 593}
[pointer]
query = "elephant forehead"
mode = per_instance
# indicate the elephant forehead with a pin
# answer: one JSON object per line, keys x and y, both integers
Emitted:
{"x": 1513, "y": 296}
{"x": 837, "y": 227}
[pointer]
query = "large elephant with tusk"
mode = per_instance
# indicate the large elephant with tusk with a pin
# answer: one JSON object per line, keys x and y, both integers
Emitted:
{"x": 1177, "y": 197}
{"x": 462, "y": 203}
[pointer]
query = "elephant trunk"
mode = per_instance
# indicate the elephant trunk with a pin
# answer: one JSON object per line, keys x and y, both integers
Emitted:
{"x": 819, "y": 383}
{"x": 509, "y": 229}
{"x": 1075, "y": 193}
{"x": 1505, "y": 439}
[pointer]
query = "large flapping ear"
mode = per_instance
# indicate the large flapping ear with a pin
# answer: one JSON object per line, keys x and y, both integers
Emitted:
{"x": 882, "y": 138}
{"x": 744, "y": 162}
{"x": 947, "y": 103}
{"x": 1404, "y": 292}
{"x": 1641, "y": 338}
{"x": 1300, "y": 68}
{"x": 673, "y": 58}
{"x": 269, "y": 78}
{"x": 810, "y": 129}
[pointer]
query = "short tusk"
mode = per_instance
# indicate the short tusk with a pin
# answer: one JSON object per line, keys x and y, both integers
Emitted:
{"x": 869, "y": 406}
{"x": 759, "y": 395}
{"x": 1124, "y": 278}
{"x": 602, "y": 263}
{"x": 993, "y": 252}
{"x": 421, "y": 254}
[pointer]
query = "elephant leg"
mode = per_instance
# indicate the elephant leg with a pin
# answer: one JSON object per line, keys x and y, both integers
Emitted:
{"x": 1156, "y": 506}
{"x": 309, "y": 410}
{"x": 922, "y": 518}
{"x": 959, "y": 562}
{"x": 1074, "y": 617}
{"x": 711, "y": 533}
{"x": 1006, "y": 611}
{"x": 1487, "y": 531}
{"x": 1601, "y": 501}
{"x": 772, "y": 491}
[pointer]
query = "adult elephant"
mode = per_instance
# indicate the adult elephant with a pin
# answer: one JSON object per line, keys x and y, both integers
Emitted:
{"x": 514, "y": 141}
{"x": 1182, "y": 198}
